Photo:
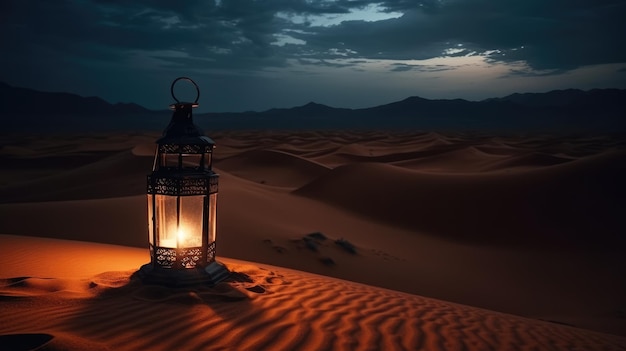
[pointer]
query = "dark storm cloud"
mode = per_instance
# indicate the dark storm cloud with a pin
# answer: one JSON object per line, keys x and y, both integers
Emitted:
{"x": 402, "y": 67}
{"x": 325, "y": 63}
{"x": 93, "y": 45}
{"x": 199, "y": 28}
{"x": 547, "y": 34}
{"x": 240, "y": 33}
{"x": 557, "y": 34}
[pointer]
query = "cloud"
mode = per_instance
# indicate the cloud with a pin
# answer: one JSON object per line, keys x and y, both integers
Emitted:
{"x": 249, "y": 34}
{"x": 66, "y": 40}
{"x": 324, "y": 63}
{"x": 403, "y": 67}
{"x": 547, "y": 35}
{"x": 557, "y": 34}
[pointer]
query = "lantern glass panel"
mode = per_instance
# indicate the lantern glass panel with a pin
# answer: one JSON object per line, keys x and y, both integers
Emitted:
{"x": 166, "y": 220}
{"x": 170, "y": 160}
{"x": 189, "y": 231}
{"x": 150, "y": 218}
{"x": 207, "y": 161}
{"x": 178, "y": 220}
{"x": 212, "y": 216}
{"x": 192, "y": 161}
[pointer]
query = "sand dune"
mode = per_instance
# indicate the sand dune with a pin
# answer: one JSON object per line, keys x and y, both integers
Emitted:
{"x": 99, "y": 179}
{"x": 555, "y": 205}
{"x": 119, "y": 221}
{"x": 530, "y": 160}
{"x": 54, "y": 168}
{"x": 260, "y": 307}
{"x": 527, "y": 225}
{"x": 272, "y": 168}
{"x": 464, "y": 160}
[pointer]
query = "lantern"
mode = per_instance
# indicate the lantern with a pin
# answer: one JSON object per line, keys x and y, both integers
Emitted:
{"x": 182, "y": 201}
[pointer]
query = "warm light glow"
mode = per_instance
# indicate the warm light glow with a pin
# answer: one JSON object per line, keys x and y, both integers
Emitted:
{"x": 168, "y": 243}
{"x": 179, "y": 221}
{"x": 181, "y": 234}
{"x": 182, "y": 239}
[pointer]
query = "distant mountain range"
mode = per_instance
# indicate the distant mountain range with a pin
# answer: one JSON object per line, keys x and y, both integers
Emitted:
{"x": 28, "y": 101}
{"x": 23, "y": 109}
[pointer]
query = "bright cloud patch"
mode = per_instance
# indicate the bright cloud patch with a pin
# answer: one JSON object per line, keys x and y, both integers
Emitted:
{"x": 283, "y": 39}
{"x": 369, "y": 13}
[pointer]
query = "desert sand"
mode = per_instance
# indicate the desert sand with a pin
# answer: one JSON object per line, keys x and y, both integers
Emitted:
{"x": 462, "y": 241}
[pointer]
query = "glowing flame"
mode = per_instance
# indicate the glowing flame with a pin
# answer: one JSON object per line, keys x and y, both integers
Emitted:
{"x": 181, "y": 234}
{"x": 183, "y": 238}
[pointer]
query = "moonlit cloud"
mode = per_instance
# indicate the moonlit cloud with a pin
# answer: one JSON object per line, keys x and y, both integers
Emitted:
{"x": 131, "y": 50}
{"x": 371, "y": 12}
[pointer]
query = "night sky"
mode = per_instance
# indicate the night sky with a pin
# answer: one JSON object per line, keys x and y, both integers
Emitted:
{"x": 255, "y": 55}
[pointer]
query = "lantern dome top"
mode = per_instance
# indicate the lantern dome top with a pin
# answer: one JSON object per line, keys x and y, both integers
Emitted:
{"x": 181, "y": 129}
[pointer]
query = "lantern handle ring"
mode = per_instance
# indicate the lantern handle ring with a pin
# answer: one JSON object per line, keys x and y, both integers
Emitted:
{"x": 195, "y": 103}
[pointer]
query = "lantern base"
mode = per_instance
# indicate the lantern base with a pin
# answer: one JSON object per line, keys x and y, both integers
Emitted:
{"x": 209, "y": 275}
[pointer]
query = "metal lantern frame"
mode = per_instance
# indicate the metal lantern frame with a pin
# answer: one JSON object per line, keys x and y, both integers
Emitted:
{"x": 182, "y": 191}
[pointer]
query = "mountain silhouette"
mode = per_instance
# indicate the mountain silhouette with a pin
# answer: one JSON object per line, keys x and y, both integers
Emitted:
{"x": 569, "y": 110}
{"x": 28, "y": 101}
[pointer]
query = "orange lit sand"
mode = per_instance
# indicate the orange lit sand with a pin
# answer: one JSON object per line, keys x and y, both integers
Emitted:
{"x": 260, "y": 307}
{"x": 525, "y": 226}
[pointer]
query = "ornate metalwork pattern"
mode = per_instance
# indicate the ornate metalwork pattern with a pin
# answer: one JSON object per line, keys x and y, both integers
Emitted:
{"x": 182, "y": 186}
{"x": 194, "y": 186}
{"x": 210, "y": 255}
{"x": 165, "y": 257}
{"x": 213, "y": 183}
{"x": 184, "y": 149}
{"x": 189, "y": 257}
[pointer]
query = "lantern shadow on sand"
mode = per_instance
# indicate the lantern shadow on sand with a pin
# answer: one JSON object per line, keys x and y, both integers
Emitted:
{"x": 182, "y": 204}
